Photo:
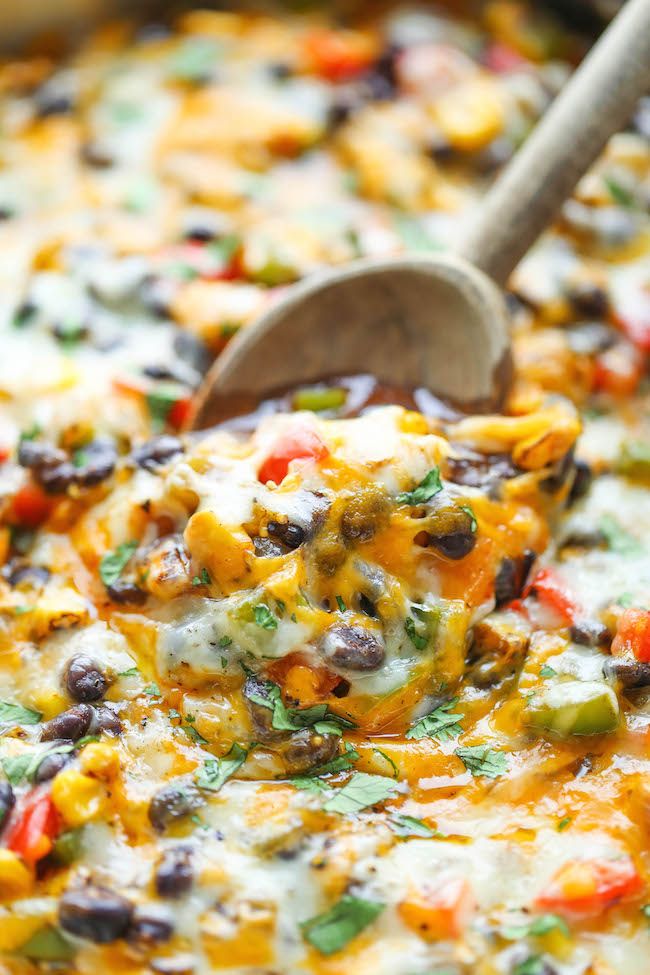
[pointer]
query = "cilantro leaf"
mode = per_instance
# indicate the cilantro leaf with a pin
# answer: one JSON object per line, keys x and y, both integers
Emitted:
{"x": 17, "y": 714}
{"x": 361, "y": 791}
{"x": 617, "y": 538}
{"x": 217, "y": 771}
{"x": 333, "y": 930}
{"x": 131, "y": 672}
{"x": 439, "y": 723}
{"x": 619, "y": 193}
{"x": 537, "y": 927}
{"x": 473, "y": 523}
{"x": 419, "y": 642}
{"x": 409, "y": 826}
{"x": 307, "y": 784}
{"x": 340, "y": 603}
{"x": 23, "y": 768}
{"x": 547, "y": 671}
{"x": 390, "y": 761}
{"x": 203, "y": 579}
{"x": 342, "y": 762}
{"x": 194, "y": 734}
{"x": 481, "y": 760}
{"x": 533, "y": 965}
{"x": 293, "y": 719}
{"x": 426, "y": 489}
{"x": 113, "y": 563}
{"x": 152, "y": 690}
{"x": 264, "y": 617}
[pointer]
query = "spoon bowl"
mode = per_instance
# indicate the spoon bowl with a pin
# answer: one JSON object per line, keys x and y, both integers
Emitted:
{"x": 410, "y": 321}
{"x": 440, "y": 321}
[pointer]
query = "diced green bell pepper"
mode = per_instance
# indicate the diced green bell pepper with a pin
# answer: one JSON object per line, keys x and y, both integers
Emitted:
{"x": 68, "y": 847}
{"x": 48, "y": 944}
{"x": 634, "y": 460}
{"x": 319, "y": 398}
{"x": 574, "y": 707}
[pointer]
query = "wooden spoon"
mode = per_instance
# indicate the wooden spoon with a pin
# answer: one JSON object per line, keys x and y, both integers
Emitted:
{"x": 440, "y": 321}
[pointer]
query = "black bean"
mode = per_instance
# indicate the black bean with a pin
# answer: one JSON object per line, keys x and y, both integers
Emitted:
{"x": 95, "y": 913}
{"x": 174, "y": 874}
{"x": 150, "y": 924}
{"x": 480, "y": 470}
{"x": 279, "y": 70}
{"x": 511, "y": 577}
{"x": 157, "y": 452}
{"x": 124, "y": 592}
{"x": 449, "y": 528}
{"x": 72, "y": 724}
{"x": 629, "y": 673}
{"x": 98, "y": 462}
{"x": 30, "y": 575}
{"x": 307, "y": 749}
{"x": 6, "y": 213}
{"x": 105, "y": 720}
{"x": 95, "y": 155}
{"x": 366, "y": 606}
{"x": 589, "y": 298}
{"x": 352, "y": 648}
{"x": 590, "y": 633}
{"x": 172, "y": 802}
{"x": 156, "y": 294}
{"x": 560, "y": 474}
{"x": 84, "y": 678}
{"x": 290, "y": 535}
{"x": 7, "y": 800}
{"x": 34, "y": 454}
{"x": 266, "y": 548}
{"x": 25, "y": 314}
{"x": 582, "y": 481}
{"x": 52, "y": 765}
{"x": 53, "y": 98}
{"x": 261, "y": 716}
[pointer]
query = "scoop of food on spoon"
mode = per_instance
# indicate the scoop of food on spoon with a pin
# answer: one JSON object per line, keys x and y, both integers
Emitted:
{"x": 440, "y": 321}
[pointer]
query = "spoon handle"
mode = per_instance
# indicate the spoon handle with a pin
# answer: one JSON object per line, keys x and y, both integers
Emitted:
{"x": 593, "y": 105}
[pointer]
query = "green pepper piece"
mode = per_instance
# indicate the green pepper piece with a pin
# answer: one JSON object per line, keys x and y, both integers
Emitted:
{"x": 68, "y": 847}
{"x": 634, "y": 460}
{"x": 574, "y": 707}
{"x": 319, "y": 398}
{"x": 48, "y": 944}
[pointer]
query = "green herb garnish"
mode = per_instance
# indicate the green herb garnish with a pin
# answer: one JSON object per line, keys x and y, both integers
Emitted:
{"x": 17, "y": 714}
{"x": 481, "y": 760}
{"x": 217, "y": 771}
{"x": 113, "y": 563}
{"x": 361, "y": 791}
{"x": 426, "y": 489}
{"x": 439, "y": 723}
{"x": 333, "y": 930}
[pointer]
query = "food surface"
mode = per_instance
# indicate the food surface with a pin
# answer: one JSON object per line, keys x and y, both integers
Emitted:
{"x": 357, "y": 684}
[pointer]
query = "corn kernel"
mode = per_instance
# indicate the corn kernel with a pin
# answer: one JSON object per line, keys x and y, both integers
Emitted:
{"x": 77, "y": 797}
{"x": 15, "y": 930}
{"x": 470, "y": 115}
{"x": 15, "y": 878}
{"x": 100, "y": 760}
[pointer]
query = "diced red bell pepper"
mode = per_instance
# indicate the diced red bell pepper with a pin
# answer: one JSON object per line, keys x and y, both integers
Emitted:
{"x": 338, "y": 55}
{"x": 299, "y": 443}
{"x": 586, "y": 888}
{"x": 180, "y": 412}
{"x": 33, "y": 827}
{"x": 502, "y": 59}
{"x": 618, "y": 371}
{"x": 31, "y": 506}
{"x": 633, "y": 635}
{"x": 5, "y": 453}
{"x": 554, "y": 593}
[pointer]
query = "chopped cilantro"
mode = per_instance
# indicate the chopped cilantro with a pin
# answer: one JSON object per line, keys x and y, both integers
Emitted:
{"x": 131, "y": 672}
{"x": 533, "y": 965}
{"x": 409, "y": 826}
{"x": 564, "y": 822}
{"x": 618, "y": 539}
{"x": 426, "y": 489}
{"x": 390, "y": 761}
{"x": 217, "y": 771}
{"x": 152, "y": 690}
{"x": 307, "y": 784}
{"x": 334, "y": 929}
{"x": 342, "y": 762}
{"x": 439, "y": 723}
{"x": 537, "y": 927}
{"x": 113, "y": 563}
{"x": 31, "y": 433}
{"x": 194, "y": 734}
{"x": 203, "y": 579}
{"x": 21, "y": 610}
{"x": 193, "y": 61}
{"x": 619, "y": 193}
{"x": 547, "y": 671}
{"x": 481, "y": 760}
{"x": 23, "y": 768}
{"x": 24, "y": 314}
{"x": 340, "y": 603}
{"x": 224, "y": 642}
{"x": 292, "y": 719}
{"x": 419, "y": 642}
{"x": 361, "y": 791}
{"x": 160, "y": 402}
{"x": 17, "y": 714}
{"x": 473, "y": 524}
{"x": 264, "y": 617}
